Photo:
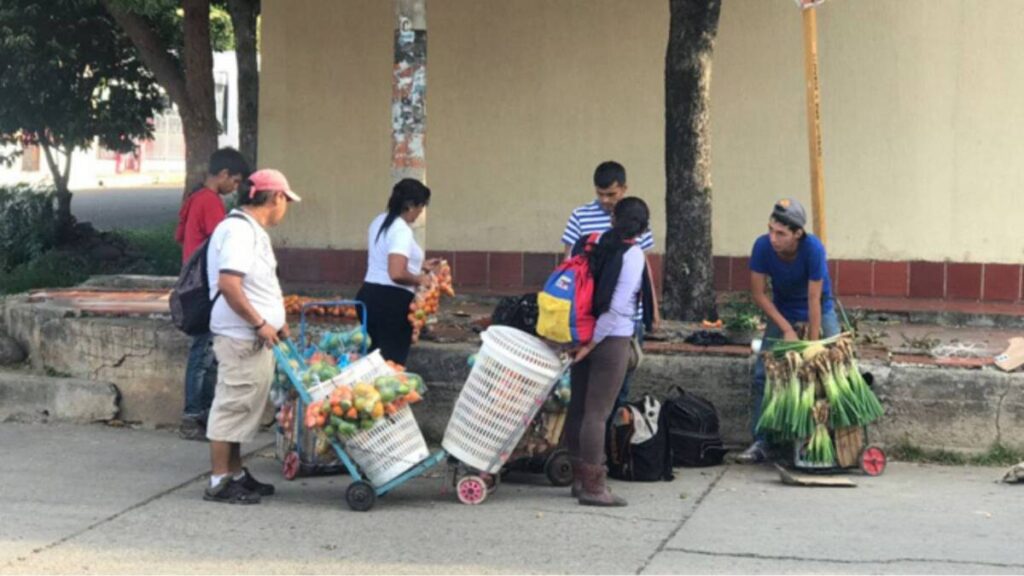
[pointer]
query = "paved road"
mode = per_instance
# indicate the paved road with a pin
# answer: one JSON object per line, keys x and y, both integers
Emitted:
{"x": 96, "y": 499}
{"x": 138, "y": 207}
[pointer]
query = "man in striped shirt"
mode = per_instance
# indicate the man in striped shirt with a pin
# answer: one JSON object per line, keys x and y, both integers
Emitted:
{"x": 596, "y": 216}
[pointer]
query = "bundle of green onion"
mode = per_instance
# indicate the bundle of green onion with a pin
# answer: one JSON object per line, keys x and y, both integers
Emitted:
{"x": 820, "y": 449}
{"x": 803, "y": 376}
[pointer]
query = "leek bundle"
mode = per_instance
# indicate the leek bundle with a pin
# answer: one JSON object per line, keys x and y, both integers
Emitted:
{"x": 803, "y": 375}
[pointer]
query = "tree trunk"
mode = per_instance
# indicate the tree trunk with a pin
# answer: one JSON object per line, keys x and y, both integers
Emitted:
{"x": 243, "y": 20}
{"x": 65, "y": 222}
{"x": 689, "y": 266}
{"x": 188, "y": 81}
{"x": 199, "y": 120}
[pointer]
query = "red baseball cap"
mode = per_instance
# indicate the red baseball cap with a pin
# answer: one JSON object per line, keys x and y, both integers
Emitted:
{"x": 270, "y": 179}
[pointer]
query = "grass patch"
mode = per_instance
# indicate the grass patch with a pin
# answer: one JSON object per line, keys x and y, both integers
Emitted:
{"x": 148, "y": 251}
{"x": 997, "y": 455}
{"x": 54, "y": 269}
{"x": 153, "y": 250}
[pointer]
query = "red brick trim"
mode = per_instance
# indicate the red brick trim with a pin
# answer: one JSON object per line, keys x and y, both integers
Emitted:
{"x": 514, "y": 272}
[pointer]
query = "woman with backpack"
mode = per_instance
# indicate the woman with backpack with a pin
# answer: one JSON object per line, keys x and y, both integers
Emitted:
{"x": 618, "y": 267}
{"x": 395, "y": 268}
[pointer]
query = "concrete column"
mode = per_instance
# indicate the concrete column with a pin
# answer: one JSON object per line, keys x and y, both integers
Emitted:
{"x": 408, "y": 101}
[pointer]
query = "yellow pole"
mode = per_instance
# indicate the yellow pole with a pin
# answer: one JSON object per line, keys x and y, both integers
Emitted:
{"x": 814, "y": 121}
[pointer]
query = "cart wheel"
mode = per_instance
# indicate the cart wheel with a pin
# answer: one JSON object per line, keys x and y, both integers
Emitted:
{"x": 360, "y": 496}
{"x": 558, "y": 468}
{"x": 873, "y": 461}
{"x": 491, "y": 481}
{"x": 471, "y": 490}
{"x": 291, "y": 465}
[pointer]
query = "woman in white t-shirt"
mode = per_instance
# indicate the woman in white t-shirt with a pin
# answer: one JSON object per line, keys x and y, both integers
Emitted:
{"x": 395, "y": 268}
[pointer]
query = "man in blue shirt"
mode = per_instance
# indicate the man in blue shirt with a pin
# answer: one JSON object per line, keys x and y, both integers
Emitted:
{"x": 596, "y": 216}
{"x": 801, "y": 295}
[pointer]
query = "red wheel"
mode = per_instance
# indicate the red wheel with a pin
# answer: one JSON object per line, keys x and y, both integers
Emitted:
{"x": 873, "y": 461}
{"x": 290, "y": 466}
{"x": 471, "y": 490}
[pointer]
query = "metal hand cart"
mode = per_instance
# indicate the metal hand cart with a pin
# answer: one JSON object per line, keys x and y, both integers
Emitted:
{"x": 362, "y": 493}
{"x": 854, "y": 451}
{"x": 870, "y": 459}
{"x": 512, "y": 377}
{"x": 540, "y": 451}
{"x": 303, "y": 453}
{"x": 473, "y": 463}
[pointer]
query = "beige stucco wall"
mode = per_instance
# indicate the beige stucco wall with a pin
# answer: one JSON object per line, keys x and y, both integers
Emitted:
{"x": 325, "y": 114}
{"x": 923, "y": 110}
{"x": 525, "y": 99}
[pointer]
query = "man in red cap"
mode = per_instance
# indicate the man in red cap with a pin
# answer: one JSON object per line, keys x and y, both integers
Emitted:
{"x": 247, "y": 320}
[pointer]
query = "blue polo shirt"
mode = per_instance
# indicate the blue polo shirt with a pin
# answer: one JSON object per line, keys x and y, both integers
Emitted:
{"x": 789, "y": 279}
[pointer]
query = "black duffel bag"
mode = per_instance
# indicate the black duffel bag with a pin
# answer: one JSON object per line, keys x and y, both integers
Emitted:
{"x": 692, "y": 423}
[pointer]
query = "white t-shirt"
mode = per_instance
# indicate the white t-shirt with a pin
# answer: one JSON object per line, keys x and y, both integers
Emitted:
{"x": 241, "y": 246}
{"x": 397, "y": 240}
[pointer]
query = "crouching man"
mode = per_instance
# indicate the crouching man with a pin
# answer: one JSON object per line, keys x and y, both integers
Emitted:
{"x": 247, "y": 320}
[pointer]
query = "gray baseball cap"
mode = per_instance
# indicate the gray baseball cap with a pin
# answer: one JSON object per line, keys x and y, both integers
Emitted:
{"x": 790, "y": 211}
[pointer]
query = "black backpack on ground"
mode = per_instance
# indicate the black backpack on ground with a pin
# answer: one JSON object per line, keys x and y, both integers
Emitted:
{"x": 692, "y": 426}
{"x": 647, "y": 461}
{"x": 190, "y": 299}
{"x": 518, "y": 312}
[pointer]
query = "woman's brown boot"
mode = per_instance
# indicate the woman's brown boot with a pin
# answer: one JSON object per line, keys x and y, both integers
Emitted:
{"x": 595, "y": 488}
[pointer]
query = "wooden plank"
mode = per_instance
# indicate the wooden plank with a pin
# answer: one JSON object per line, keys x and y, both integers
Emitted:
{"x": 556, "y": 424}
{"x": 814, "y": 122}
{"x": 849, "y": 444}
{"x": 791, "y": 478}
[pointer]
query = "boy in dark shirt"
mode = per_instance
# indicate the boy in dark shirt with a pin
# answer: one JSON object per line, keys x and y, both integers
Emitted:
{"x": 200, "y": 213}
{"x": 801, "y": 293}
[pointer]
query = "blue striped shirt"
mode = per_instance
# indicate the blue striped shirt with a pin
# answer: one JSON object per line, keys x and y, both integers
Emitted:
{"x": 591, "y": 218}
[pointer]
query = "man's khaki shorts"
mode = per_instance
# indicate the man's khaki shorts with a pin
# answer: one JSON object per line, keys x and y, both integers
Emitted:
{"x": 244, "y": 375}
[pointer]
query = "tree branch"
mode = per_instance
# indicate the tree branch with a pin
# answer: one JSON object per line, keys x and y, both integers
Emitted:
{"x": 67, "y": 164}
{"x": 44, "y": 143}
{"x": 164, "y": 65}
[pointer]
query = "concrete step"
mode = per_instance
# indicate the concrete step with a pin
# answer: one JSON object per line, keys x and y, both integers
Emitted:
{"x": 934, "y": 407}
{"x": 1009, "y": 315}
{"x": 27, "y": 397}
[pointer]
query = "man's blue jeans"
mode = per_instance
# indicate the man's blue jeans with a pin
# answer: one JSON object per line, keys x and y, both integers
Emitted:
{"x": 772, "y": 334}
{"x": 200, "y": 376}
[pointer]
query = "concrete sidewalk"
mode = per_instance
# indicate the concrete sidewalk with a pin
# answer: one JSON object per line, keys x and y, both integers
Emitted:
{"x": 94, "y": 499}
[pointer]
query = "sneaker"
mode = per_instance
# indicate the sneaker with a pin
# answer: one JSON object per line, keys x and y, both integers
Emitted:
{"x": 251, "y": 484}
{"x": 230, "y": 491}
{"x": 756, "y": 453}
{"x": 192, "y": 429}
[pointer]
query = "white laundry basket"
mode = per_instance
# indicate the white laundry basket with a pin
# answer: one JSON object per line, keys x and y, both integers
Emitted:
{"x": 390, "y": 448}
{"x": 514, "y": 372}
{"x": 366, "y": 369}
